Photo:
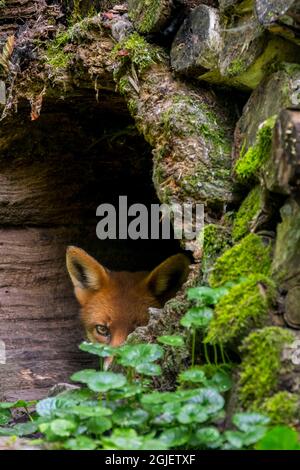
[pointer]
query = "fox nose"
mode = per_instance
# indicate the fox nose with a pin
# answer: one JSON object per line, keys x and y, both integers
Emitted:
{"x": 116, "y": 340}
{"x": 107, "y": 362}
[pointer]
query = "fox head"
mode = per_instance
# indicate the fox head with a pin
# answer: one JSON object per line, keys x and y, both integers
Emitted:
{"x": 113, "y": 303}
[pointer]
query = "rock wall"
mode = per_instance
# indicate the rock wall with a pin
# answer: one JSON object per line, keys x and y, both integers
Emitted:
{"x": 213, "y": 87}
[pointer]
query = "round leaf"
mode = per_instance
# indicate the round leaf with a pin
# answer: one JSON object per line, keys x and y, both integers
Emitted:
{"x": 105, "y": 381}
{"x": 248, "y": 421}
{"x": 197, "y": 317}
{"x": 174, "y": 437}
{"x": 133, "y": 356}
{"x": 149, "y": 369}
{"x": 207, "y": 435}
{"x": 171, "y": 340}
{"x": 62, "y": 427}
{"x": 80, "y": 443}
{"x": 192, "y": 413}
{"x": 83, "y": 376}
{"x": 99, "y": 349}
{"x": 194, "y": 375}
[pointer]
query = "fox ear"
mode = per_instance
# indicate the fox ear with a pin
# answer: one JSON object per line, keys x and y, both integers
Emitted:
{"x": 86, "y": 273}
{"x": 165, "y": 280}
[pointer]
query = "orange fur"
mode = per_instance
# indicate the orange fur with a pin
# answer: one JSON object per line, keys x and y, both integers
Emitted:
{"x": 119, "y": 301}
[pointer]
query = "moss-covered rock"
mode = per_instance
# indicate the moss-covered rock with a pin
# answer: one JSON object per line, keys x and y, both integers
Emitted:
{"x": 250, "y": 256}
{"x": 247, "y": 214}
{"x": 282, "y": 408}
{"x": 249, "y": 163}
{"x": 286, "y": 261}
{"x": 262, "y": 364}
{"x": 262, "y": 105}
{"x": 244, "y": 307}
{"x": 149, "y": 16}
{"x": 215, "y": 240}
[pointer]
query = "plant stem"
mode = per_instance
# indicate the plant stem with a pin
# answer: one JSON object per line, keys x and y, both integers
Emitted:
{"x": 193, "y": 346}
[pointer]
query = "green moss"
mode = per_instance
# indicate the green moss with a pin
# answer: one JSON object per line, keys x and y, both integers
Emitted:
{"x": 145, "y": 15}
{"x": 261, "y": 364}
{"x": 214, "y": 240}
{"x": 140, "y": 52}
{"x": 249, "y": 256}
{"x": 236, "y": 68}
{"x": 251, "y": 161}
{"x": 55, "y": 55}
{"x": 245, "y": 306}
{"x": 246, "y": 214}
{"x": 282, "y": 408}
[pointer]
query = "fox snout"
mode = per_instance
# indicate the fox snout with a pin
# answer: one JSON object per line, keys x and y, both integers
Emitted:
{"x": 114, "y": 303}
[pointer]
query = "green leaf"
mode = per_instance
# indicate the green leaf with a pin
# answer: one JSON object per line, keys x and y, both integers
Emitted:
{"x": 205, "y": 296}
{"x": 135, "y": 355}
{"x": 98, "y": 349}
{"x": 197, "y": 317}
{"x": 129, "y": 390}
{"x": 235, "y": 438}
{"x": 105, "y": 381}
{"x": 7, "y": 432}
{"x": 83, "y": 376}
{"x": 149, "y": 369}
{"x": 130, "y": 417}
{"x": 192, "y": 413}
{"x": 24, "y": 429}
{"x": 210, "y": 400}
{"x": 279, "y": 438}
{"x": 122, "y": 439}
{"x": 97, "y": 425}
{"x": 17, "y": 404}
{"x": 80, "y": 443}
{"x": 49, "y": 406}
{"x": 5, "y": 417}
{"x": 249, "y": 421}
{"x": 62, "y": 427}
{"x": 88, "y": 411}
{"x": 171, "y": 340}
{"x": 194, "y": 375}
{"x": 174, "y": 437}
{"x": 207, "y": 435}
{"x": 220, "y": 381}
{"x": 253, "y": 436}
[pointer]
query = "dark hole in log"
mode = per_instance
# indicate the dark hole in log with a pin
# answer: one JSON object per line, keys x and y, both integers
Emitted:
{"x": 54, "y": 172}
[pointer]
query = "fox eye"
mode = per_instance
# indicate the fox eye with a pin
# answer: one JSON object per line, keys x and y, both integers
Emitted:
{"x": 102, "y": 330}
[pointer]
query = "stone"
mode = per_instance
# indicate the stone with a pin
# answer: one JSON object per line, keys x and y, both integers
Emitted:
{"x": 196, "y": 46}
{"x": 262, "y": 105}
{"x": 286, "y": 261}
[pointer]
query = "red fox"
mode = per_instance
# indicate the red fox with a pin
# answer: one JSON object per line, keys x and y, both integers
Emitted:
{"x": 114, "y": 303}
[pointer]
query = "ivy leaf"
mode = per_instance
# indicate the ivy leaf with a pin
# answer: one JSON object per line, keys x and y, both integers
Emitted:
{"x": 149, "y": 369}
{"x": 194, "y": 375}
{"x": 171, "y": 340}
{"x": 98, "y": 349}
{"x": 134, "y": 356}
{"x": 249, "y": 421}
{"x": 197, "y": 317}
{"x": 17, "y": 404}
{"x": 105, "y": 381}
